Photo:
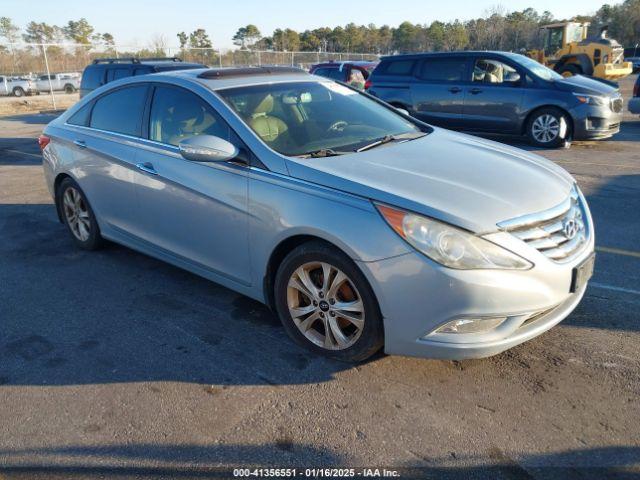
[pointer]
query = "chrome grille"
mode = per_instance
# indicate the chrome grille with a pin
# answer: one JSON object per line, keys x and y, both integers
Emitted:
{"x": 559, "y": 233}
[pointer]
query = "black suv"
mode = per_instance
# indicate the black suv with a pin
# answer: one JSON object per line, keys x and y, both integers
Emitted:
{"x": 498, "y": 92}
{"x": 105, "y": 70}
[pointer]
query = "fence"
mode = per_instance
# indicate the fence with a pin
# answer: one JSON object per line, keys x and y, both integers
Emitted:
{"x": 34, "y": 59}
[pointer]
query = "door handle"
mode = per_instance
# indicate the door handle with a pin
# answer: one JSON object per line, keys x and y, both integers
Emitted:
{"x": 80, "y": 143}
{"x": 475, "y": 91}
{"x": 147, "y": 167}
{"x": 455, "y": 89}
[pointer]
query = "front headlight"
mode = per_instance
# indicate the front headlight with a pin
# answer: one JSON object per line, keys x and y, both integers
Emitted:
{"x": 448, "y": 245}
{"x": 590, "y": 99}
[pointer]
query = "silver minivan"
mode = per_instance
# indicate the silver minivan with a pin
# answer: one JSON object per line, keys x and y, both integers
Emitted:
{"x": 361, "y": 227}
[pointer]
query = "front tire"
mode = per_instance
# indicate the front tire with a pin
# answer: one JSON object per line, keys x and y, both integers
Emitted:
{"x": 548, "y": 128}
{"x": 18, "y": 92}
{"x": 69, "y": 89}
{"x": 570, "y": 70}
{"x": 326, "y": 304}
{"x": 78, "y": 215}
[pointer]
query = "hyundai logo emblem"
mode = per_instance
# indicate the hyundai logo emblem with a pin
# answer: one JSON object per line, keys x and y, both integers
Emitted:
{"x": 570, "y": 228}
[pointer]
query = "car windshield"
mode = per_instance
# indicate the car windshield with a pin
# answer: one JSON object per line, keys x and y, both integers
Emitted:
{"x": 317, "y": 118}
{"x": 538, "y": 69}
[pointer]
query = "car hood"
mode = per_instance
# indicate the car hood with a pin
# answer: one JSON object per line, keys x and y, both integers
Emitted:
{"x": 460, "y": 179}
{"x": 581, "y": 84}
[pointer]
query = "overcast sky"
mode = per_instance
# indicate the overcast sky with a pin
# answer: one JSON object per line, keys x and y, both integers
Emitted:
{"x": 135, "y": 22}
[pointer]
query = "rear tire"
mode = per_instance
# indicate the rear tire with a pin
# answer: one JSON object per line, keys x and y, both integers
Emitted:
{"x": 18, "y": 92}
{"x": 69, "y": 89}
{"x": 549, "y": 127}
{"x": 78, "y": 216}
{"x": 338, "y": 317}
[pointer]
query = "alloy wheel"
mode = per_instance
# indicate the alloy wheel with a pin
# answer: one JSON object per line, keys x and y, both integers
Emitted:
{"x": 325, "y": 305}
{"x": 545, "y": 128}
{"x": 77, "y": 214}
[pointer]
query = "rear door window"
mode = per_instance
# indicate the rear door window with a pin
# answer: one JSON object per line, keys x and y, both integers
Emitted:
{"x": 399, "y": 67}
{"x": 120, "y": 111}
{"x": 443, "y": 69}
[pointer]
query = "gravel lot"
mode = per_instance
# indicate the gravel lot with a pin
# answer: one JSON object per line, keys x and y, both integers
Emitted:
{"x": 115, "y": 365}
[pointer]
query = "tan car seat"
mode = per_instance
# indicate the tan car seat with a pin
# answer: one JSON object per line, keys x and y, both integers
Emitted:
{"x": 268, "y": 127}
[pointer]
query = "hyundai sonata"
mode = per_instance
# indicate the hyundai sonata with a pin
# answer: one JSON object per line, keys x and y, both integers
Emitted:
{"x": 361, "y": 227}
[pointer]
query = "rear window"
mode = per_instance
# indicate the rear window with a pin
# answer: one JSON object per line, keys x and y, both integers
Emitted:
{"x": 120, "y": 111}
{"x": 443, "y": 69}
{"x": 398, "y": 67}
{"x": 92, "y": 78}
{"x": 330, "y": 72}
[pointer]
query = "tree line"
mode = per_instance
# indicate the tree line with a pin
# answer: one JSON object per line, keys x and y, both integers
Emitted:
{"x": 497, "y": 29}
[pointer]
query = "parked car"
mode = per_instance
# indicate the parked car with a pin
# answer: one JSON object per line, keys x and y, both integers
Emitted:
{"x": 360, "y": 226}
{"x": 16, "y": 86}
{"x": 635, "y": 61}
{"x": 105, "y": 70}
{"x": 354, "y": 73}
{"x": 634, "y": 102}
{"x": 65, "y": 82}
{"x": 497, "y": 92}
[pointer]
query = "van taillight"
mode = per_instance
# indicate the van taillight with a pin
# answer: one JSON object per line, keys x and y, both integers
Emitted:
{"x": 367, "y": 84}
{"x": 43, "y": 141}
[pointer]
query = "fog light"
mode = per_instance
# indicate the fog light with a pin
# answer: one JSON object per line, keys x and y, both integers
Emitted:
{"x": 471, "y": 325}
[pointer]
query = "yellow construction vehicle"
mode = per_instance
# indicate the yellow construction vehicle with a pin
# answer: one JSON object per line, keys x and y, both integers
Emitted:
{"x": 569, "y": 51}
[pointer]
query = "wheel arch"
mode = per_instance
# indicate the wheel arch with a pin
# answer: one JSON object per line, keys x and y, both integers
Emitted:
{"x": 56, "y": 185}
{"x": 280, "y": 252}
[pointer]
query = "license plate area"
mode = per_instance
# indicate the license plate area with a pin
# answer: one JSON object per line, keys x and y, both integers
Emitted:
{"x": 582, "y": 273}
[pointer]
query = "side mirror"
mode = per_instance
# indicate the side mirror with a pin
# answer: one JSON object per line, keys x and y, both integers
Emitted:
{"x": 207, "y": 148}
{"x": 402, "y": 111}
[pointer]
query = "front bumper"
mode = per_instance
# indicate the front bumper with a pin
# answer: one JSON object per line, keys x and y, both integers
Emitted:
{"x": 591, "y": 122}
{"x": 634, "y": 105}
{"x": 417, "y": 296}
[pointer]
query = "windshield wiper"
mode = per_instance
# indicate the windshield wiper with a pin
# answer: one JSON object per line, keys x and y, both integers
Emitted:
{"x": 323, "y": 152}
{"x": 391, "y": 138}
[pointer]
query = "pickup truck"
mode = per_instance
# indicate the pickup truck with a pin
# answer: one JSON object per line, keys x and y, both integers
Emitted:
{"x": 16, "y": 86}
{"x": 67, "y": 82}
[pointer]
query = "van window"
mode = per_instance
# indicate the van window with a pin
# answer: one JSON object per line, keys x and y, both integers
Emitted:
{"x": 92, "y": 78}
{"x": 489, "y": 70}
{"x": 120, "y": 111}
{"x": 443, "y": 69}
{"x": 117, "y": 73}
{"x": 330, "y": 72}
{"x": 399, "y": 67}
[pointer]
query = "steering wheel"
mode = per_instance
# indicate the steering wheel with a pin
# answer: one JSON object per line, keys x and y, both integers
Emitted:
{"x": 338, "y": 126}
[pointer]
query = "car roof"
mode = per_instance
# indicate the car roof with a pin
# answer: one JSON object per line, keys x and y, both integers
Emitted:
{"x": 461, "y": 53}
{"x": 229, "y": 77}
{"x": 346, "y": 62}
{"x": 124, "y": 63}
